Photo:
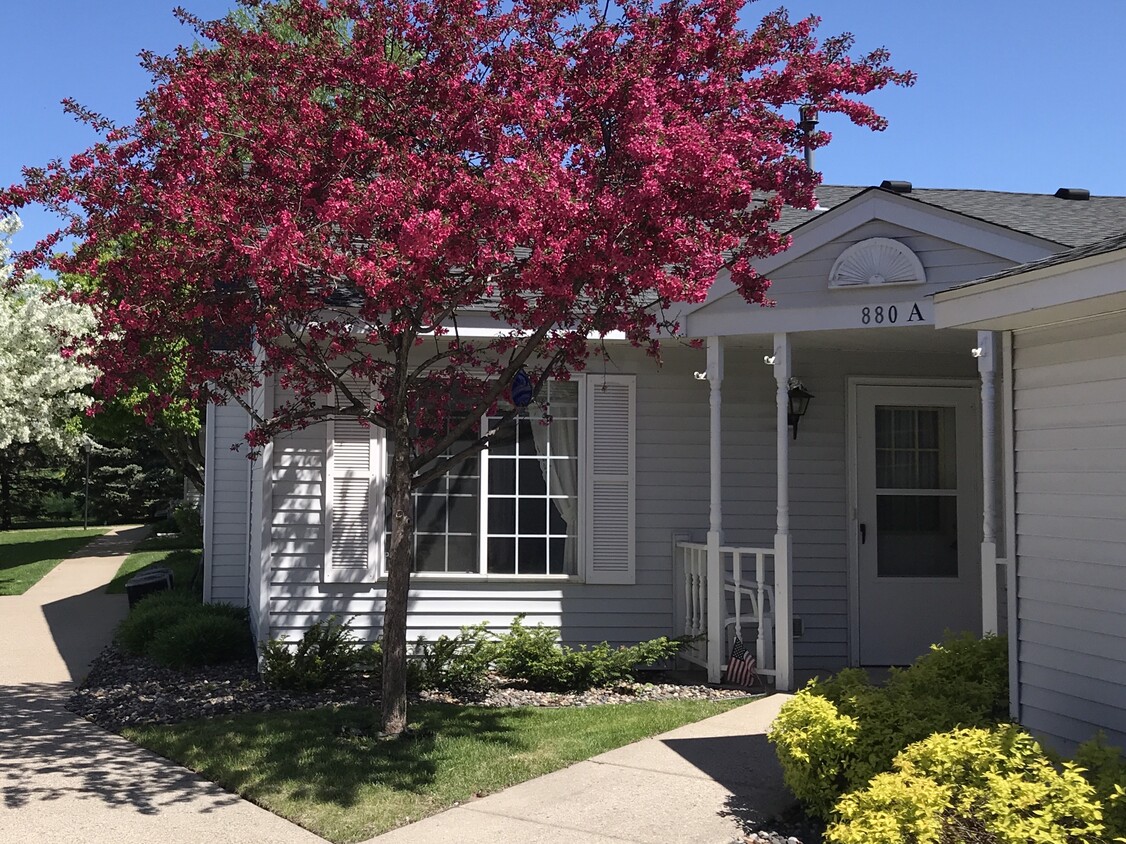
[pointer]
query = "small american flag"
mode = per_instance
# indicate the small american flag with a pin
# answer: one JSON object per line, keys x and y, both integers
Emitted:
{"x": 740, "y": 667}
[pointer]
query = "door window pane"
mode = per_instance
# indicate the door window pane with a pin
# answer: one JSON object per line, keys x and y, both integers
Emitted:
{"x": 917, "y": 536}
{"x": 915, "y": 448}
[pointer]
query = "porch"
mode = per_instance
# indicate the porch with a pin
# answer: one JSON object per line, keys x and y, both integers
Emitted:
{"x": 744, "y": 593}
{"x": 752, "y": 583}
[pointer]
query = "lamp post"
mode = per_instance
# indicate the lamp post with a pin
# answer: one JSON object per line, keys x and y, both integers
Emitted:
{"x": 86, "y": 503}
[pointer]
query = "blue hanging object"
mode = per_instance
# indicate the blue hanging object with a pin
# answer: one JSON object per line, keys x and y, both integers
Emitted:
{"x": 521, "y": 389}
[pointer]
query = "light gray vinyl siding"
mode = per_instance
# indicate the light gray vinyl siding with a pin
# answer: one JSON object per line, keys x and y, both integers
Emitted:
{"x": 1070, "y": 436}
{"x": 803, "y": 283}
{"x": 672, "y": 475}
{"x": 228, "y": 483}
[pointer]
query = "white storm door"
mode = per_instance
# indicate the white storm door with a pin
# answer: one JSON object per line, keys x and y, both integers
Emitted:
{"x": 918, "y": 518}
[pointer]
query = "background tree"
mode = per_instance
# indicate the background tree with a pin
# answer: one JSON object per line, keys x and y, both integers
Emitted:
{"x": 42, "y": 374}
{"x": 347, "y": 180}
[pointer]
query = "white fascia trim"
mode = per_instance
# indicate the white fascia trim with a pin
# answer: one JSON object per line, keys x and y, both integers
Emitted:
{"x": 508, "y": 332}
{"x": 911, "y": 214}
{"x": 471, "y": 577}
{"x": 1093, "y": 285}
{"x": 208, "y": 498}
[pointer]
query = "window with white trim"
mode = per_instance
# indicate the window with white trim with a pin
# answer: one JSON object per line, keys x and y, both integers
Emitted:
{"x": 554, "y": 496}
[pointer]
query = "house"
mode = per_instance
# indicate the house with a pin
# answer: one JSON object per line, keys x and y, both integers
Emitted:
{"x": 1061, "y": 322}
{"x": 689, "y": 498}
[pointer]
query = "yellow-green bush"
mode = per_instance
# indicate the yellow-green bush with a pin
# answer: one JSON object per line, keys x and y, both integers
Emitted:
{"x": 1105, "y": 768}
{"x": 813, "y": 742}
{"x": 993, "y": 786}
{"x": 961, "y": 683}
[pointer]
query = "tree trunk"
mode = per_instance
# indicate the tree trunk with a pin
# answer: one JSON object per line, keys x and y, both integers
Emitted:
{"x": 183, "y": 453}
{"x": 399, "y": 561}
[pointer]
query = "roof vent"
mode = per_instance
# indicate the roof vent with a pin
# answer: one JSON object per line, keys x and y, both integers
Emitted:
{"x": 877, "y": 260}
{"x": 896, "y": 187}
{"x": 1073, "y": 193}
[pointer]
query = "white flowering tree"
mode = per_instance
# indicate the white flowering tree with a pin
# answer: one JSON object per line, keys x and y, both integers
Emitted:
{"x": 41, "y": 378}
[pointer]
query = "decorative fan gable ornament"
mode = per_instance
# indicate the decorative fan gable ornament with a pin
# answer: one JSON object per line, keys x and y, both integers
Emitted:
{"x": 878, "y": 260}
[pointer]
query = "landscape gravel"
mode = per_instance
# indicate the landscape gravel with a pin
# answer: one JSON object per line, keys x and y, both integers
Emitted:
{"x": 122, "y": 690}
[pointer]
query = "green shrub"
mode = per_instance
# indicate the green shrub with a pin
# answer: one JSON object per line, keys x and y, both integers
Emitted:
{"x": 964, "y": 680}
{"x": 208, "y": 636}
{"x": 459, "y": 664}
{"x": 992, "y": 786}
{"x": 1104, "y": 767}
{"x": 188, "y": 521}
{"x": 534, "y": 655}
{"x": 961, "y": 683}
{"x": 153, "y": 614}
{"x": 160, "y": 611}
{"x": 370, "y": 659}
{"x": 326, "y": 655}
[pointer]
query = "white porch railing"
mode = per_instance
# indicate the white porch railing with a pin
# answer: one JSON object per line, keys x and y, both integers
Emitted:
{"x": 751, "y": 598}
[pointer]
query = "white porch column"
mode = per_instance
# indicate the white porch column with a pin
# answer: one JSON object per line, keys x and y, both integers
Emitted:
{"x": 717, "y": 606}
{"x": 985, "y": 353}
{"x": 783, "y": 544}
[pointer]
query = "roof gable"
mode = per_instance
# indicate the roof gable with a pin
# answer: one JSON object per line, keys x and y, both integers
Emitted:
{"x": 870, "y": 205}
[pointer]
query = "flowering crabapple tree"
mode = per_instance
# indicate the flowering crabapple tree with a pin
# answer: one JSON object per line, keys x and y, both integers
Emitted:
{"x": 325, "y": 190}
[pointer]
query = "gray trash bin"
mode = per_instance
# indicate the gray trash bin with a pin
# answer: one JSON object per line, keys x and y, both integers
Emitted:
{"x": 158, "y": 579}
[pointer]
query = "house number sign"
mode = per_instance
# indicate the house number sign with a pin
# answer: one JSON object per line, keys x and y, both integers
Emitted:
{"x": 904, "y": 313}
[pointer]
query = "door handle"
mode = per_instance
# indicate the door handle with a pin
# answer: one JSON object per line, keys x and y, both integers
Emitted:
{"x": 863, "y": 533}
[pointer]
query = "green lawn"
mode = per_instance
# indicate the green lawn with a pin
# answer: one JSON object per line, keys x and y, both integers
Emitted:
{"x": 321, "y": 770}
{"x": 181, "y": 554}
{"x": 27, "y": 555}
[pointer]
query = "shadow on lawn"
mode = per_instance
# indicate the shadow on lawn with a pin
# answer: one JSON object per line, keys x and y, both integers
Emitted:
{"x": 50, "y": 754}
{"x": 329, "y": 756}
{"x": 13, "y": 555}
{"x": 182, "y": 562}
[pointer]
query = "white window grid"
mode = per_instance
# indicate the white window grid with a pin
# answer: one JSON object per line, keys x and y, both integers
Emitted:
{"x": 564, "y": 411}
{"x": 541, "y": 551}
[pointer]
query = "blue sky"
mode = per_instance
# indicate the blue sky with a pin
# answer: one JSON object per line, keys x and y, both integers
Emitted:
{"x": 1018, "y": 95}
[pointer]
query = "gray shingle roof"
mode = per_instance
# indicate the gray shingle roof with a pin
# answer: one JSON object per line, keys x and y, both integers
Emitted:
{"x": 1102, "y": 247}
{"x": 1063, "y": 221}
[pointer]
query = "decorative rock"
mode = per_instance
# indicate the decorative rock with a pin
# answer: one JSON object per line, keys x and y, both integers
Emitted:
{"x": 123, "y": 690}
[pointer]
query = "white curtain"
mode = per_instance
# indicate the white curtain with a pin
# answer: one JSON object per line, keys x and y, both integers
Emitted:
{"x": 561, "y": 476}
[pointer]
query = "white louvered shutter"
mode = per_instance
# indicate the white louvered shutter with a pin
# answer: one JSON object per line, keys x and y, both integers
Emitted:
{"x": 354, "y": 502}
{"x": 609, "y": 478}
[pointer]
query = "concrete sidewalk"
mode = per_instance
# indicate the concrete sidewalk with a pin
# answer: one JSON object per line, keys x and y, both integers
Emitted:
{"x": 62, "y": 779}
{"x": 704, "y": 783}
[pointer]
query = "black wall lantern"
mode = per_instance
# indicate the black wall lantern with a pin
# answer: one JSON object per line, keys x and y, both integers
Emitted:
{"x": 799, "y": 403}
